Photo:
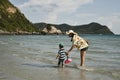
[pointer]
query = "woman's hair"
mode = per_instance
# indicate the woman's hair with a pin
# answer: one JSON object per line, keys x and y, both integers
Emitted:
{"x": 72, "y": 36}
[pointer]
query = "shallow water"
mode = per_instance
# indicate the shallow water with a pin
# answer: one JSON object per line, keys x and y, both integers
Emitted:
{"x": 32, "y": 57}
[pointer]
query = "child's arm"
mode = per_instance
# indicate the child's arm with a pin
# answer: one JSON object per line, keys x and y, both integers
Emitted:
{"x": 57, "y": 56}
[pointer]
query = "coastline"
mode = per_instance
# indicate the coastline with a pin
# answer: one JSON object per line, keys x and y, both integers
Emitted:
{"x": 42, "y": 33}
{"x": 29, "y": 33}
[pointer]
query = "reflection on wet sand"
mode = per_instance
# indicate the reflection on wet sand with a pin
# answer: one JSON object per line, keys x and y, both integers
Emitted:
{"x": 66, "y": 73}
{"x": 69, "y": 74}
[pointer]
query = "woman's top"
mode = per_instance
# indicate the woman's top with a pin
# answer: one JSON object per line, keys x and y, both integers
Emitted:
{"x": 79, "y": 42}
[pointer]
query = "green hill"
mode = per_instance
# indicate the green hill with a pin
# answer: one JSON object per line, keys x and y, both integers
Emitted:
{"x": 92, "y": 28}
{"x": 12, "y": 20}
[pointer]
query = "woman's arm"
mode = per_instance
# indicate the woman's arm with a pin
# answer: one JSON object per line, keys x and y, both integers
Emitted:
{"x": 70, "y": 49}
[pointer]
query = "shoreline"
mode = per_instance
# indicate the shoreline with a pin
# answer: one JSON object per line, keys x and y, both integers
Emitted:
{"x": 29, "y": 33}
{"x": 40, "y": 33}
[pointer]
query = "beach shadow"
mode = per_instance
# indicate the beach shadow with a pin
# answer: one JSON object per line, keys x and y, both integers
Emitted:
{"x": 40, "y": 65}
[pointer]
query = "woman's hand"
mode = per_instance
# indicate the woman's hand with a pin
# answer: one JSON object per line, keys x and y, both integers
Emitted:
{"x": 70, "y": 49}
{"x": 67, "y": 53}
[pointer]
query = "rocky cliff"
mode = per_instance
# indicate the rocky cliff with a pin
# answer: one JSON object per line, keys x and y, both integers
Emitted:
{"x": 52, "y": 30}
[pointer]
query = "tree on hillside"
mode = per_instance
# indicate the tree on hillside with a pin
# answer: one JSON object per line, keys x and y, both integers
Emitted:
{"x": 48, "y": 27}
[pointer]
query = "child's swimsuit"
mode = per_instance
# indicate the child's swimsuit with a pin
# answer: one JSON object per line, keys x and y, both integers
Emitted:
{"x": 62, "y": 56}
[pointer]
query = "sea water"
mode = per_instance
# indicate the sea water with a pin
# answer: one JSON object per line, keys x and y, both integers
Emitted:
{"x": 32, "y": 57}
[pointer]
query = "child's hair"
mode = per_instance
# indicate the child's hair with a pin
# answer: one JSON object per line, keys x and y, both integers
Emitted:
{"x": 61, "y": 45}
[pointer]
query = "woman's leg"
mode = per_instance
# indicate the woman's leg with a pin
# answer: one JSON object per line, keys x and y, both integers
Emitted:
{"x": 82, "y": 54}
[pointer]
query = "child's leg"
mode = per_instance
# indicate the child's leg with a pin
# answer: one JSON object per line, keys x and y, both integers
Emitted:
{"x": 59, "y": 63}
{"x": 62, "y": 63}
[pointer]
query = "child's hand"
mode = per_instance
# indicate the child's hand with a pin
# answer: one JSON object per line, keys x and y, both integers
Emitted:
{"x": 57, "y": 57}
{"x": 67, "y": 57}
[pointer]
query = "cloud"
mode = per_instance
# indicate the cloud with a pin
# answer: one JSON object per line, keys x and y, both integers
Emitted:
{"x": 52, "y": 9}
{"x": 61, "y": 5}
{"x": 51, "y": 18}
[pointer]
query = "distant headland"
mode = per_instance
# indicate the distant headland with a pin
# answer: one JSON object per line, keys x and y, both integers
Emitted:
{"x": 91, "y": 28}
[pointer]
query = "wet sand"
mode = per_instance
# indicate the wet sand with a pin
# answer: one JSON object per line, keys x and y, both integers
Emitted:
{"x": 12, "y": 67}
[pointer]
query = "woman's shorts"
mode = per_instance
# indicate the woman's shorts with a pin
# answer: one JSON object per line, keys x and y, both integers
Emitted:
{"x": 84, "y": 49}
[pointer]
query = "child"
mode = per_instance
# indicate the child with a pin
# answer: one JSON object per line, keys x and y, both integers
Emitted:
{"x": 61, "y": 55}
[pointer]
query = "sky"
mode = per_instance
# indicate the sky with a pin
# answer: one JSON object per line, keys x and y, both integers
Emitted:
{"x": 72, "y": 12}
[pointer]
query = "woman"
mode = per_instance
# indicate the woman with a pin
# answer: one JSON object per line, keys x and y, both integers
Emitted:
{"x": 78, "y": 42}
